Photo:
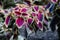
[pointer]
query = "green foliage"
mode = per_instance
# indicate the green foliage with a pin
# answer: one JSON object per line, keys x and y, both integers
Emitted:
{"x": 8, "y": 4}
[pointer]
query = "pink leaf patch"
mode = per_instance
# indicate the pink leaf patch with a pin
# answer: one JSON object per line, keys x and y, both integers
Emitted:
{"x": 30, "y": 20}
{"x": 19, "y": 22}
{"x": 36, "y": 8}
{"x": 24, "y": 10}
{"x": 7, "y": 20}
{"x": 34, "y": 14}
{"x": 39, "y": 16}
{"x": 39, "y": 25}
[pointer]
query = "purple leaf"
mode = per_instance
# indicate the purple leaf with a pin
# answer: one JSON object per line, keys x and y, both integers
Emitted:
{"x": 39, "y": 25}
{"x": 54, "y": 0}
{"x": 16, "y": 8}
{"x": 39, "y": 16}
{"x": 17, "y": 13}
{"x": 34, "y": 14}
{"x": 48, "y": 5}
{"x": 7, "y": 20}
{"x": 19, "y": 22}
{"x": 30, "y": 20}
{"x": 23, "y": 10}
{"x": 6, "y": 11}
{"x": 24, "y": 14}
{"x": 36, "y": 8}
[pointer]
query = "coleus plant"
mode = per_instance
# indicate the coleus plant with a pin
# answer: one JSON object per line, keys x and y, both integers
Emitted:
{"x": 22, "y": 16}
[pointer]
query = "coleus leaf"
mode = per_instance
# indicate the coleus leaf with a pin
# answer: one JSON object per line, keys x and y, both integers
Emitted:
{"x": 19, "y": 22}
{"x": 40, "y": 26}
{"x": 24, "y": 14}
{"x": 16, "y": 8}
{"x": 23, "y": 10}
{"x": 17, "y": 13}
{"x": 34, "y": 14}
{"x": 7, "y": 20}
{"x": 30, "y": 20}
{"x": 36, "y": 8}
{"x": 48, "y": 5}
{"x": 39, "y": 16}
